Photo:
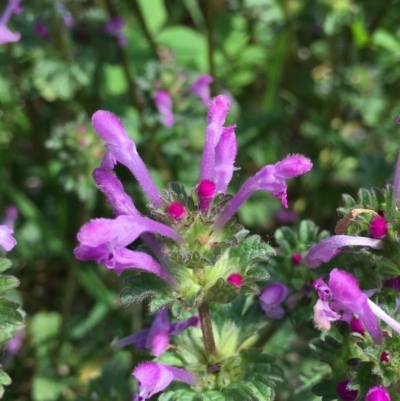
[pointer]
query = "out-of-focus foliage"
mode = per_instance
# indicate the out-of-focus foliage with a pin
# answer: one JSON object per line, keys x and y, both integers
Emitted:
{"x": 321, "y": 78}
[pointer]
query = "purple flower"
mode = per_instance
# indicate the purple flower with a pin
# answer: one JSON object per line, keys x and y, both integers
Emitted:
{"x": 114, "y": 28}
{"x": 396, "y": 181}
{"x": 10, "y": 216}
{"x": 378, "y": 227}
{"x": 328, "y": 248}
{"x": 14, "y": 344}
{"x": 123, "y": 150}
{"x": 7, "y": 241}
{"x": 163, "y": 102}
{"x": 270, "y": 299}
{"x": 153, "y": 377}
{"x": 201, "y": 88}
{"x": 42, "y": 31}
{"x": 377, "y": 393}
{"x": 106, "y": 241}
{"x": 271, "y": 178}
{"x": 343, "y": 294}
{"x": 65, "y": 14}
{"x": 225, "y": 154}
{"x": 6, "y": 36}
{"x": 157, "y": 336}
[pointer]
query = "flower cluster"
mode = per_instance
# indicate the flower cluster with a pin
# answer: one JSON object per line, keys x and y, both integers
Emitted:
{"x": 196, "y": 251}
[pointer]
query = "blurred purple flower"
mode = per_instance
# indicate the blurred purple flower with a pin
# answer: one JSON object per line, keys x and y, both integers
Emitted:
{"x": 153, "y": 377}
{"x": 6, "y": 36}
{"x": 271, "y": 298}
{"x": 114, "y": 28}
{"x": 42, "y": 31}
{"x": 201, "y": 88}
{"x": 163, "y": 102}
{"x": 65, "y": 14}
{"x": 157, "y": 336}
{"x": 7, "y": 241}
{"x": 286, "y": 216}
{"x": 345, "y": 393}
{"x": 14, "y": 345}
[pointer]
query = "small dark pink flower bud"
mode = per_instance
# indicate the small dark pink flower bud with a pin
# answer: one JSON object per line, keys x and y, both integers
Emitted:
{"x": 398, "y": 120}
{"x": 378, "y": 227}
{"x": 385, "y": 357}
{"x": 377, "y": 393}
{"x": 206, "y": 191}
{"x": 393, "y": 283}
{"x": 236, "y": 279}
{"x": 176, "y": 210}
{"x": 296, "y": 258}
{"x": 344, "y": 393}
{"x": 356, "y": 326}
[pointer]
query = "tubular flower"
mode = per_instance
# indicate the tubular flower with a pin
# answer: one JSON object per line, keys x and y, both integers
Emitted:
{"x": 114, "y": 28}
{"x": 271, "y": 298}
{"x": 153, "y": 377}
{"x": 6, "y": 36}
{"x": 328, "y": 248}
{"x": 163, "y": 102}
{"x": 7, "y": 241}
{"x": 343, "y": 294}
{"x": 201, "y": 88}
{"x": 157, "y": 336}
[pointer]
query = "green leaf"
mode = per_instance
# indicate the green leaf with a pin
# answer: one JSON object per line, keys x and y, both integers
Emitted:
{"x": 4, "y": 381}
{"x": 154, "y": 14}
{"x": 222, "y": 292}
{"x": 47, "y": 389}
{"x": 144, "y": 285}
{"x": 9, "y": 313}
{"x": 4, "y": 264}
{"x": 8, "y": 283}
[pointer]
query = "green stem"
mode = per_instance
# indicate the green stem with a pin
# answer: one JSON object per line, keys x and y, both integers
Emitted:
{"x": 143, "y": 26}
{"x": 206, "y": 329}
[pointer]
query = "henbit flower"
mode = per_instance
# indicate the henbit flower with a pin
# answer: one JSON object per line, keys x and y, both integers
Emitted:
{"x": 163, "y": 102}
{"x": 356, "y": 326}
{"x": 6, "y": 36}
{"x": 377, "y": 393}
{"x": 201, "y": 88}
{"x": 123, "y": 204}
{"x": 296, "y": 258}
{"x": 42, "y": 31}
{"x": 344, "y": 393}
{"x": 236, "y": 279}
{"x": 270, "y": 299}
{"x": 123, "y": 150}
{"x": 105, "y": 241}
{"x": 153, "y": 377}
{"x": 65, "y": 14}
{"x": 225, "y": 154}
{"x": 378, "y": 227}
{"x": 157, "y": 336}
{"x": 216, "y": 115}
{"x": 114, "y": 28}
{"x": 271, "y": 178}
{"x": 328, "y": 248}
{"x": 344, "y": 289}
{"x": 7, "y": 241}
{"x": 176, "y": 210}
{"x": 10, "y": 216}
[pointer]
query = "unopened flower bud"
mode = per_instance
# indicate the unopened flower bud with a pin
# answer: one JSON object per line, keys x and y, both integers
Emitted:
{"x": 271, "y": 299}
{"x": 205, "y": 191}
{"x": 385, "y": 357}
{"x": 176, "y": 210}
{"x": 377, "y": 393}
{"x": 344, "y": 393}
{"x": 236, "y": 279}
{"x": 378, "y": 227}
{"x": 393, "y": 283}
{"x": 296, "y": 258}
{"x": 356, "y": 326}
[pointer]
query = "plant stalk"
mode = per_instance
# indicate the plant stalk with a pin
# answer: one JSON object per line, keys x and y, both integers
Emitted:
{"x": 206, "y": 329}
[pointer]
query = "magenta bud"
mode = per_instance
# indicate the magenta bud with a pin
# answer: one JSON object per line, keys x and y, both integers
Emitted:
{"x": 385, "y": 357}
{"x": 296, "y": 258}
{"x": 398, "y": 120}
{"x": 377, "y": 393}
{"x": 236, "y": 279}
{"x": 176, "y": 210}
{"x": 378, "y": 227}
{"x": 356, "y": 326}
{"x": 206, "y": 191}
{"x": 393, "y": 283}
{"x": 344, "y": 393}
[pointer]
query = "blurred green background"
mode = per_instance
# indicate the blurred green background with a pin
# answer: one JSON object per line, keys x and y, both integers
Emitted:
{"x": 320, "y": 78}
